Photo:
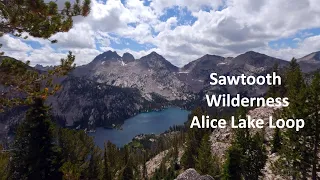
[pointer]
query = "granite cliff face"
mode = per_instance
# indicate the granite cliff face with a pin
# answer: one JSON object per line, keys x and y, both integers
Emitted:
{"x": 249, "y": 63}
{"x": 90, "y": 104}
{"x": 196, "y": 73}
{"x": 150, "y": 74}
{"x": 310, "y": 62}
{"x": 311, "y": 58}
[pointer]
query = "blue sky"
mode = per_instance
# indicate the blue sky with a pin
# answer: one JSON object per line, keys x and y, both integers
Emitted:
{"x": 293, "y": 41}
{"x": 181, "y": 30}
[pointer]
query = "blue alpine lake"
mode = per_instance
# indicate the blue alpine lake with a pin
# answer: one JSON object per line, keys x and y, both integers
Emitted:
{"x": 155, "y": 122}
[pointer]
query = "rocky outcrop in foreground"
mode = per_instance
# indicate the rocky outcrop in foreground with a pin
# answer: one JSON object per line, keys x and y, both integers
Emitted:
{"x": 192, "y": 174}
{"x": 221, "y": 140}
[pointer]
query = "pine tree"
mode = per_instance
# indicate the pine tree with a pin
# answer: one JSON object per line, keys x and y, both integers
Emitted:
{"x": 163, "y": 172}
{"x": 128, "y": 169}
{"x": 188, "y": 159}
{"x": 144, "y": 167}
{"x": 113, "y": 158}
{"x": 175, "y": 150}
{"x": 39, "y": 18}
{"x": 277, "y": 90}
{"x": 295, "y": 150}
{"x": 170, "y": 173}
{"x": 107, "y": 168}
{"x": 75, "y": 148}
{"x": 206, "y": 163}
{"x": 276, "y": 141}
{"x": 245, "y": 160}
{"x": 193, "y": 141}
{"x": 94, "y": 168}
{"x": 254, "y": 158}
{"x": 34, "y": 155}
{"x": 232, "y": 167}
{"x": 314, "y": 120}
{"x": 163, "y": 168}
{"x": 242, "y": 136}
{"x": 273, "y": 90}
{"x": 247, "y": 155}
{"x": 19, "y": 78}
{"x": 4, "y": 163}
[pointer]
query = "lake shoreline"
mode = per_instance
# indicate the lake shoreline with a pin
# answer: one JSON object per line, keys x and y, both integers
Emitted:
{"x": 152, "y": 122}
{"x": 119, "y": 126}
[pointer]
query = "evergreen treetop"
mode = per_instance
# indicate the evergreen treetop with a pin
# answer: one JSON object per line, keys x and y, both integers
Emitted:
{"x": 39, "y": 18}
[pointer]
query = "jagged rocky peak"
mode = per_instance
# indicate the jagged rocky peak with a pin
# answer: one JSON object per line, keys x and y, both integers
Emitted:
{"x": 313, "y": 57}
{"x": 153, "y": 53}
{"x": 257, "y": 60}
{"x": 251, "y": 54}
{"x": 43, "y": 68}
{"x": 211, "y": 57}
{"x": 153, "y": 56}
{"x": 127, "y": 57}
{"x": 207, "y": 60}
{"x": 108, "y": 55}
{"x": 155, "y": 60}
{"x": 38, "y": 66}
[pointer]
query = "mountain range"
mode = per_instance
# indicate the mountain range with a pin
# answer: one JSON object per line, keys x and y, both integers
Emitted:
{"x": 112, "y": 88}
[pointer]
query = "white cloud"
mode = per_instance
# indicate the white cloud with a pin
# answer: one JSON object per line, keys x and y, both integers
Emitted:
{"x": 140, "y": 11}
{"x": 45, "y": 56}
{"x": 243, "y": 25}
{"x": 239, "y": 26}
{"x": 48, "y": 56}
{"x": 141, "y": 33}
{"x": 84, "y": 56}
{"x": 13, "y": 44}
{"x": 160, "y": 5}
{"x": 80, "y": 36}
{"x": 109, "y": 16}
{"x": 306, "y": 46}
{"x": 167, "y": 25}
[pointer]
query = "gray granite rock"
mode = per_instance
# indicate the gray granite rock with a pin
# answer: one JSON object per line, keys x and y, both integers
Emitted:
{"x": 192, "y": 174}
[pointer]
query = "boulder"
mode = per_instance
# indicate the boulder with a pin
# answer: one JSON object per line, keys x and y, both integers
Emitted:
{"x": 192, "y": 174}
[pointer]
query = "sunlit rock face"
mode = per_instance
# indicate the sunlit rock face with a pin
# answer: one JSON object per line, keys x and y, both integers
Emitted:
{"x": 192, "y": 174}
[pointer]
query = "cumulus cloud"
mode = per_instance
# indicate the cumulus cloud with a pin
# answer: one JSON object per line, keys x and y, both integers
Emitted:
{"x": 80, "y": 36}
{"x": 241, "y": 26}
{"x": 160, "y": 5}
{"x": 222, "y": 27}
{"x": 306, "y": 46}
{"x": 167, "y": 25}
{"x": 13, "y": 44}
